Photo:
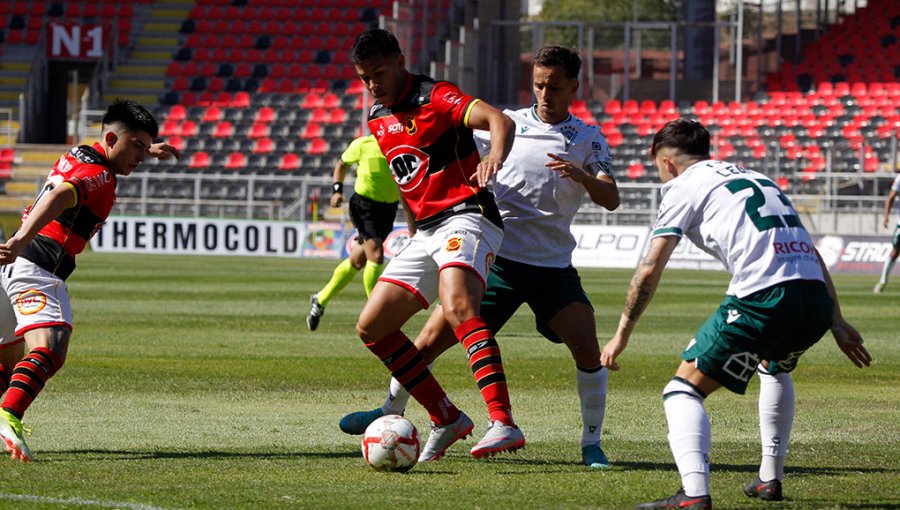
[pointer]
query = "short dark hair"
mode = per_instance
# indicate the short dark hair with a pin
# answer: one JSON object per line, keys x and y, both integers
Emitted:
{"x": 374, "y": 42}
{"x": 559, "y": 56}
{"x": 133, "y": 116}
{"x": 686, "y": 135}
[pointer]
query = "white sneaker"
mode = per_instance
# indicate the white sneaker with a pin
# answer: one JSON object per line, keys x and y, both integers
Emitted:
{"x": 12, "y": 433}
{"x": 878, "y": 288}
{"x": 499, "y": 437}
{"x": 441, "y": 438}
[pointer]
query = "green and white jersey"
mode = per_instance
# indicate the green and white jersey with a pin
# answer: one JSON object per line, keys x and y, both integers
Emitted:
{"x": 896, "y": 188}
{"x": 741, "y": 218}
{"x": 536, "y": 204}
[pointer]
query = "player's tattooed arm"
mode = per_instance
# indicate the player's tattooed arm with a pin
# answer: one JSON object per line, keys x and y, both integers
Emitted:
{"x": 640, "y": 292}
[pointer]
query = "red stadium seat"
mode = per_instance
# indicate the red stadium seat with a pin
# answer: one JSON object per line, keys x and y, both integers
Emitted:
{"x": 311, "y": 131}
{"x": 289, "y": 162}
{"x": 236, "y": 161}
{"x": 199, "y": 161}
{"x": 211, "y": 114}
{"x": 317, "y": 146}
{"x": 263, "y": 146}
{"x": 223, "y": 129}
{"x": 258, "y": 130}
{"x": 635, "y": 171}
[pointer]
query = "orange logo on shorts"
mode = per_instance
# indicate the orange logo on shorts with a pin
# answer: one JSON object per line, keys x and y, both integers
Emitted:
{"x": 489, "y": 260}
{"x": 454, "y": 244}
{"x": 31, "y": 302}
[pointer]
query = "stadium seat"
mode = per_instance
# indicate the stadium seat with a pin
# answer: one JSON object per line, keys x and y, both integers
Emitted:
{"x": 289, "y": 162}
{"x": 199, "y": 161}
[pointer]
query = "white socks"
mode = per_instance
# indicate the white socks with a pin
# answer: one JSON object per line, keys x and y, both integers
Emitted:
{"x": 689, "y": 435}
{"x": 398, "y": 397}
{"x": 776, "y": 416}
{"x": 886, "y": 269}
{"x": 591, "y": 385}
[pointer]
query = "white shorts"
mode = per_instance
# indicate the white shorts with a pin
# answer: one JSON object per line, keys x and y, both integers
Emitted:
{"x": 464, "y": 240}
{"x": 38, "y": 298}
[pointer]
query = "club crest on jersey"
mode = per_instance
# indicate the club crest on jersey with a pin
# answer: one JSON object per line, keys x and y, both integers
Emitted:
{"x": 569, "y": 133}
{"x": 31, "y": 301}
{"x": 489, "y": 260}
{"x": 453, "y": 244}
{"x": 409, "y": 166}
{"x": 410, "y": 124}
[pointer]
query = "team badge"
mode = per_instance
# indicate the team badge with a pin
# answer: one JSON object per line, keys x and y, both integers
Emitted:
{"x": 453, "y": 244}
{"x": 409, "y": 166}
{"x": 489, "y": 260}
{"x": 31, "y": 302}
{"x": 410, "y": 124}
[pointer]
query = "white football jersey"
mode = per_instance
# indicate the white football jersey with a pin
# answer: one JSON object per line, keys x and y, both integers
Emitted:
{"x": 741, "y": 218}
{"x": 536, "y": 204}
{"x": 896, "y": 187}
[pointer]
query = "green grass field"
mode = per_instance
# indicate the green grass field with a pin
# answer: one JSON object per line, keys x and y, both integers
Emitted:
{"x": 192, "y": 382}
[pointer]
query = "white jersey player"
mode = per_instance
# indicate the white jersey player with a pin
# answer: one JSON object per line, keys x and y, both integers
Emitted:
{"x": 555, "y": 160}
{"x": 895, "y": 239}
{"x": 779, "y": 303}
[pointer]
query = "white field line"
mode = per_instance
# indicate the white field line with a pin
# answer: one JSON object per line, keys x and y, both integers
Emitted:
{"x": 78, "y": 501}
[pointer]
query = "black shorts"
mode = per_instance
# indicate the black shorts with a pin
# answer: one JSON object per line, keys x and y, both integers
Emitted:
{"x": 546, "y": 290}
{"x": 373, "y": 220}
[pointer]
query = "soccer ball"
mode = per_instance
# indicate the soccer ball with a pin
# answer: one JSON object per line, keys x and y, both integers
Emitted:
{"x": 391, "y": 443}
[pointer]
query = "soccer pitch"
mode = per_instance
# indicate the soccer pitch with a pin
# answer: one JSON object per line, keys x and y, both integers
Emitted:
{"x": 192, "y": 382}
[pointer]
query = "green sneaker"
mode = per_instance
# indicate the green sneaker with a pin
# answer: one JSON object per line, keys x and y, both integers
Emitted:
{"x": 12, "y": 433}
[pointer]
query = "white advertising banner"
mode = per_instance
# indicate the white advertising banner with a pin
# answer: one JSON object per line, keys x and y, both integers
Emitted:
{"x": 201, "y": 236}
{"x": 608, "y": 246}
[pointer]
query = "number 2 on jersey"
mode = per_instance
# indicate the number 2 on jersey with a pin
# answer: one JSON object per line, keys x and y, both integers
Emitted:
{"x": 758, "y": 199}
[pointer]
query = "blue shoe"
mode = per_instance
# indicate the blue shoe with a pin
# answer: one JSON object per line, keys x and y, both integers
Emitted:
{"x": 356, "y": 423}
{"x": 592, "y": 456}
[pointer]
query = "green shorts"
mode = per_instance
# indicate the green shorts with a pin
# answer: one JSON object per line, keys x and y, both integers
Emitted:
{"x": 777, "y": 324}
{"x": 547, "y": 290}
{"x": 895, "y": 241}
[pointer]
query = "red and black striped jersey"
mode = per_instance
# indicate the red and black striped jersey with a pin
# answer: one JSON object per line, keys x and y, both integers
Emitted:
{"x": 87, "y": 171}
{"x": 431, "y": 151}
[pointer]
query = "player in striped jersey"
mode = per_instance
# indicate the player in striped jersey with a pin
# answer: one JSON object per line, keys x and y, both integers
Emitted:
{"x": 35, "y": 310}
{"x": 779, "y": 303}
{"x": 555, "y": 161}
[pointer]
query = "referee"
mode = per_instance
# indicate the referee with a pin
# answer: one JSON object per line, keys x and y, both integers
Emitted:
{"x": 373, "y": 207}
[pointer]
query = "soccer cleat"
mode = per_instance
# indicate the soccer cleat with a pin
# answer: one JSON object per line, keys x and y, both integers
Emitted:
{"x": 441, "y": 437}
{"x": 499, "y": 437}
{"x": 592, "y": 456}
{"x": 879, "y": 287}
{"x": 766, "y": 491}
{"x": 12, "y": 431}
{"x": 316, "y": 311}
{"x": 357, "y": 423}
{"x": 681, "y": 502}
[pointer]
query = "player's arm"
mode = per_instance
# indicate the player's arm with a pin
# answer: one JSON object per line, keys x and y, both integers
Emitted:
{"x": 503, "y": 131}
{"x": 45, "y": 210}
{"x": 601, "y": 188}
{"x": 847, "y": 337}
{"x": 640, "y": 292}
{"x": 337, "y": 189}
{"x": 888, "y": 204}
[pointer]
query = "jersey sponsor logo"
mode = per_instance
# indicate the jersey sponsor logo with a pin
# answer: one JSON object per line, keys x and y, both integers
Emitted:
{"x": 792, "y": 247}
{"x": 31, "y": 301}
{"x": 790, "y": 361}
{"x": 741, "y": 365}
{"x": 453, "y": 244}
{"x": 489, "y": 260}
{"x": 733, "y": 315}
{"x": 524, "y": 129}
{"x": 597, "y": 146}
{"x": 409, "y": 166}
{"x": 395, "y": 128}
{"x": 453, "y": 97}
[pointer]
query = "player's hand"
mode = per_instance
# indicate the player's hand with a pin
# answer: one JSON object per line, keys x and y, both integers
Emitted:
{"x": 611, "y": 351}
{"x": 163, "y": 151}
{"x": 337, "y": 199}
{"x": 9, "y": 251}
{"x": 565, "y": 169}
{"x": 885, "y": 222}
{"x": 486, "y": 169}
{"x": 851, "y": 343}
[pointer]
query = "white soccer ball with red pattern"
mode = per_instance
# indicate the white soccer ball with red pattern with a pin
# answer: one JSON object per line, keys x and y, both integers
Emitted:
{"x": 391, "y": 443}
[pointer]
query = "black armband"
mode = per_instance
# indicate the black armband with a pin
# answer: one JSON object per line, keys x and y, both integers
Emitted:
{"x": 337, "y": 187}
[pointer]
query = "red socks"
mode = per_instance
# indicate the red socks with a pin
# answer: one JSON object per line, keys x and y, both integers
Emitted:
{"x": 28, "y": 379}
{"x": 405, "y": 362}
{"x": 487, "y": 367}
